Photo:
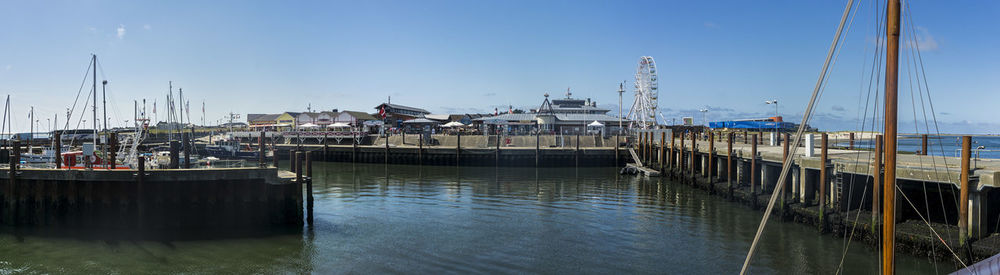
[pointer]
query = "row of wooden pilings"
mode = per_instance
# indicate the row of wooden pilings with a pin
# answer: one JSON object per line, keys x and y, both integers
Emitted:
{"x": 670, "y": 158}
{"x": 460, "y": 155}
{"x": 300, "y": 163}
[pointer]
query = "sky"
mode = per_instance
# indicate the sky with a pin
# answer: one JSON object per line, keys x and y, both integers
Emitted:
{"x": 474, "y": 56}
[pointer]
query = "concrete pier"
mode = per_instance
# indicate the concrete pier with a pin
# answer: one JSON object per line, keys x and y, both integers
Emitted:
{"x": 150, "y": 203}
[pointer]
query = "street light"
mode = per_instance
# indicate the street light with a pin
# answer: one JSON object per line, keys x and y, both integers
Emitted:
{"x": 704, "y": 116}
{"x": 775, "y": 102}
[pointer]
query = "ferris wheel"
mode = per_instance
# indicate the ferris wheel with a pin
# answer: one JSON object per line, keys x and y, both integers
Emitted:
{"x": 643, "y": 112}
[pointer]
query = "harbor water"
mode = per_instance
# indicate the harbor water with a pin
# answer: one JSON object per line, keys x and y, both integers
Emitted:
{"x": 411, "y": 219}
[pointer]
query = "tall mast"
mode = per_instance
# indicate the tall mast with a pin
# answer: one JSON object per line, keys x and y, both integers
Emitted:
{"x": 891, "y": 102}
{"x": 31, "y": 132}
{"x": 181, "y": 95}
{"x": 95, "y": 98}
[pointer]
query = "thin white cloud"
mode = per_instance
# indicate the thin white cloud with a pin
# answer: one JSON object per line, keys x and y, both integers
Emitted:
{"x": 8, "y": 67}
{"x": 92, "y": 29}
{"x": 925, "y": 42}
{"x": 711, "y": 25}
{"x": 121, "y": 31}
{"x": 147, "y": 27}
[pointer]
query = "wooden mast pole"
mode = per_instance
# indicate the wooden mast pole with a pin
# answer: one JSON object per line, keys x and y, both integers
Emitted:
{"x": 891, "y": 105}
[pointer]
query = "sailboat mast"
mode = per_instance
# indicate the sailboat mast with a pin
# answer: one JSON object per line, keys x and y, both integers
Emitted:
{"x": 95, "y": 98}
{"x": 891, "y": 105}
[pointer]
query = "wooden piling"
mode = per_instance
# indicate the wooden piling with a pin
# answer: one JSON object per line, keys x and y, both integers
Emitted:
{"x": 274, "y": 153}
{"x": 877, "y": 185}
{"x": 694, "y": 149}
{"x": 297, "y": 157}
{"x": 663, "y": 156}
{"x": 260, "y": 158}
{"x": 923, "y": 144}
{"x": 387, "y": 148}
{"x": 670, "y": 160}
{"x": 458, "y": 149}
{"x": 326, "y": 148}
{"x": 113, "y": 142}
{"x": 187, "y": 150}
{"x": 616, "y": 151}
{"x": 291, "y": 160}
{"x": 309, "y": 189}
{"x": 784, "y": 159}
{"x": 729, "y": 163}
{"x": 711, "y": 159}
{"x": 850, "y": 137}
{"x": 680, "y": 154}
{"x": 753, "y": 170}
{"x": 963, "y": 198}
{"x": 174, "y": 156}
{"x": 745, "y": 140}
{"x": 496, "y": 159}
{"x": 822, "y": 179}
{"x": 420, "y": 150}
{"x": 58, "y": 139}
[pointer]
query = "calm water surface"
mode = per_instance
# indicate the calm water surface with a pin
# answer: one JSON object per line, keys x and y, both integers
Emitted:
{"x": 410, "y": 219}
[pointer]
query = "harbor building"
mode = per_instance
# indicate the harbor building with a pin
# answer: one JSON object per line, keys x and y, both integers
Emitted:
{"x": 321, "y": 119}
{"x": 262, "y": 120}
{"x": 395, "y": 114}
{"x": 562, "y": 116}
{"x": 353, "y": 118}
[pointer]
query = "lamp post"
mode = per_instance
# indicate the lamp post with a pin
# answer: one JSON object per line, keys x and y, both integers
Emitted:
{"x": 775, "y": 102}
{"x": 704, "y": 116}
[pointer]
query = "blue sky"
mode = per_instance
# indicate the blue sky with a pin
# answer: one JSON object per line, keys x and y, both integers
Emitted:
{"x": 472, "y": 56}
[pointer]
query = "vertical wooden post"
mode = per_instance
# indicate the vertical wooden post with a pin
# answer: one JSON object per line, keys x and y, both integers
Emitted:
{"x": 822, "y": 178}
{"x": 729, "y": 163}
{"x": 680, "y": 154}
{"x": 297, "y": 157}
{"x": 877, "y": 184}
{"x": 309, "y": 188}
{"x": 496, "y": 159}
{"x": 963, "y": 198}
{"x": 850, "y": 141}
{"x": 387, "y": 147}
{"x": 113, "y": 148}
{"x": 420, "y": 150}
{"x": 291, "y": 160}
{"x": 639, "y": 143}
{"x": 784, "y": 159}
{"x": 174, "y": 158}
{"x": 326, "y": 148}
{"x": 694, "y": 156}
{"x": 260, "y": 159}
{"x": 670, "y": 160}
{"x": 753, "y": 170}
{"x": 274, "y": 153}
{"x": 187, "y": 150}
{"x": 923, "y": 144}
{"x": 711, "y": 154}
{"x": 458, "y": 149}
{"x": 663, "y": 154}
{"x": 893, "y": 8}
{"x": 58, "y": 139}
{"x": 745, "y": 140}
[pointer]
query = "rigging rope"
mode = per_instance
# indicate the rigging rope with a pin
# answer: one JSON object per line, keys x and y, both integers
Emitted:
{"x": 798, "y": 136}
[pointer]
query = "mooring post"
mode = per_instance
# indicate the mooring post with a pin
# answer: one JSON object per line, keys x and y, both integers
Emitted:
{"x": 711, "y": 155}
{"x": 174, "y": 155}
{"x": 187, "y": 150}
{"x": 274, "y": 153}
{"x": 745, "y": 140}
{"x": 694, "y": 148}
{"x": 291, "y": 160}
{"x": 58, "y": 139}
{"x": 753, "y": 171}
{"x": 663, "y": 152}
{"x": 729, "y": 164}
{"x": 963, "y": 198}
{"x": 850, "y": 137}
{"x": 420, "y": 150}
{"x": 923, "y": 144}
{"x": 113, "y": 147}
{"x": 670, "y": 160}
{"x": 680, "y": 154}
{"x": 354, "y": 146}
{"x": 877, "y": 186}
{"x": 458, "y": 149}
{"x": 822, "y": 180}
{"x": 298, "y": 156}
{"x": 784, "y": 160}
{"x": 386, "y": 155}
{"x": 309, "y": 189}
{"x": 260, "y": 151}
